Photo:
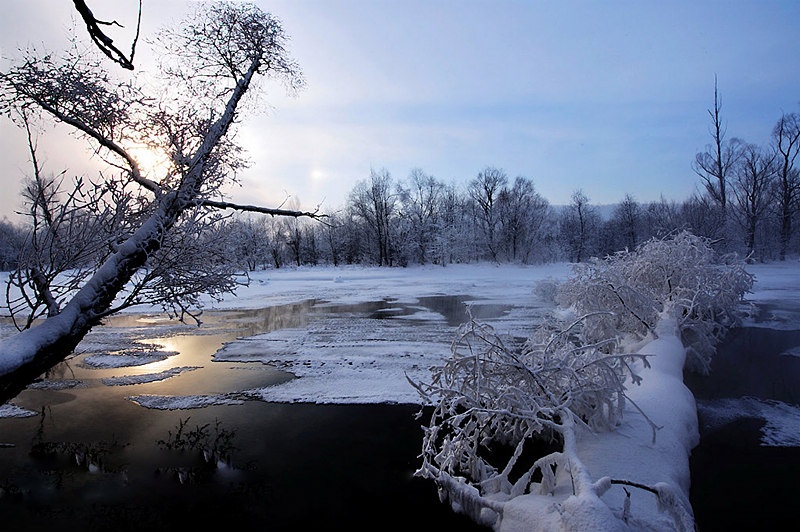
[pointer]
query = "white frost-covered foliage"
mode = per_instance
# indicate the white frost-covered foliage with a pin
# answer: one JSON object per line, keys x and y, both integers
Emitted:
{"x": 494, "y": 402}
{"x": 681, "y": 275}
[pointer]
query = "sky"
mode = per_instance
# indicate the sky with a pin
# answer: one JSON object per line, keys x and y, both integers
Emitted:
{"x": 608, "y": 97}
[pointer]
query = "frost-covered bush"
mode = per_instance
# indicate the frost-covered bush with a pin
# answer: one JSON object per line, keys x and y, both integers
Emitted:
{"x": 493, "y": 403}
{"x": 680, "y": 274}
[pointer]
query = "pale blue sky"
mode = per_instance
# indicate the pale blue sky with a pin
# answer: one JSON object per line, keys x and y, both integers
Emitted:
{"x": 610, "y": 97}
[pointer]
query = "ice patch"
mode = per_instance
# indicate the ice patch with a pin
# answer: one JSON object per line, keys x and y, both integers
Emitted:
{"x": 793, "y": 352}
{"x": 55, "y": 384}
{"x": 182, "y": 402}
{"x": 126, "y": 358}
{"x": 127, "y": 380}
{"x": 782, "y": 428}
{"x": 9, "y": 410}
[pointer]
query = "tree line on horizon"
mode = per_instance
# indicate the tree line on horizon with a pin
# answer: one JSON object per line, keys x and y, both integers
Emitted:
{"x": 748, "y": 203}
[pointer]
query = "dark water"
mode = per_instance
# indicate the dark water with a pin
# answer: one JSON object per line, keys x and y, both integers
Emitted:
{"x": 299, "y": 467}
{"x": 93, "y": 460}
{"x": 738, "y": 483}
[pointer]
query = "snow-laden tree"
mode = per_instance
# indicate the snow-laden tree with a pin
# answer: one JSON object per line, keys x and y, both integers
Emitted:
{"x": 209, "y": 64}
{"x": 495, "y": 400}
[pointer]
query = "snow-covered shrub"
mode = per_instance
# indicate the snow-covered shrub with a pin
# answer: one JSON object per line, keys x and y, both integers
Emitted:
{"x": 491, "y": 399}
{"x": 492, "y": 402}
{"x": 680, "y": 274}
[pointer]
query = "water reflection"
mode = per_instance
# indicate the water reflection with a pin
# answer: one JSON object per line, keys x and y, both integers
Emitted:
{"x": 92, "y": 459}
{"x": 738, "y": 483}
{"x": 752, "y": 361}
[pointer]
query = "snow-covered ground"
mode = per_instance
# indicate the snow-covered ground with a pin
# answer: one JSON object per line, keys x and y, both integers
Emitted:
{"x": 348, "y": 358}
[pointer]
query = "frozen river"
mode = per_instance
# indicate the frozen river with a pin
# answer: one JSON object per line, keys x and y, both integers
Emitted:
{"x": 290, "y": 406}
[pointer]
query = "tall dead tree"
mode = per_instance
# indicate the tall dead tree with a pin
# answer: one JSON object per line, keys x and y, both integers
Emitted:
{"x": 715, "y": 165}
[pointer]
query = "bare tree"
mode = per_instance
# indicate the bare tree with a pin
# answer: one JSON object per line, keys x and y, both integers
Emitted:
{"x": 484, "y": 191}
{"x": 751, "y": 188}
{"x": 715, "y": 165}
{"x": 662, "y": 218}
{"x": 628, "y": 216}
{"x": 11, "y": 242}
{"x": 786, "y": 138}
{"x": 211, "y": 63}
{"x": 522, "y": 213}
{"x": 703, "y": 217}
{"x": 578, "y": 225}
{"x": 420, "y": 208}
{"x": 374, "y": 203}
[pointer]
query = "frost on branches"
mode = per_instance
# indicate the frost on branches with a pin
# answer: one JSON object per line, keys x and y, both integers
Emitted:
{"x": 135, "y": 235}
{"x": 497, "y": 407}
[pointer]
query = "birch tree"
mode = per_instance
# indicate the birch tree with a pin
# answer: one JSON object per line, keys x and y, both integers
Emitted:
{"x": 210, "y": 63}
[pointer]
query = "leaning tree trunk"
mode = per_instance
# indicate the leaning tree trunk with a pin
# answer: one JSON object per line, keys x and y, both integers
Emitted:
{"x": 32, "y": 352}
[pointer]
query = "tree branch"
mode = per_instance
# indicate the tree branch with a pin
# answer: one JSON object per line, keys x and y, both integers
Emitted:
{"x": 263, "y": 210}
{"x": 103, "y": 41}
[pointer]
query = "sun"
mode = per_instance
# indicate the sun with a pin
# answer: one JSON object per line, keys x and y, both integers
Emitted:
{"x": 153, "y": 164}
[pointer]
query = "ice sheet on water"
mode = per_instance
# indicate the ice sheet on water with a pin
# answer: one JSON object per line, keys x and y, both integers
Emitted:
{"x": 127, "y": 380}
{"x": 55, "y": 384}
{"x": 9, "y": 410}
{"x": 181, "y": 402}
{"x": 126, "y": 358}
{"x": 782, "y": 428}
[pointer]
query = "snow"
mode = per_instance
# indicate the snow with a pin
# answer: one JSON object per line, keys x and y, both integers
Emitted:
{"x": 9, "y": 410}
{"x": 782, "y": 421}
{"x": 352, "y": 359}
{"x": 355, "y": 359}
{"x": 170, "y": 402}
{"x": 126, "y": 359}
{"x": 126, "y": 380}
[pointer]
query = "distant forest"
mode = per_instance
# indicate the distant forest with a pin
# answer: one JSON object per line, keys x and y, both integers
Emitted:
{"x": 748, "y": 203}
